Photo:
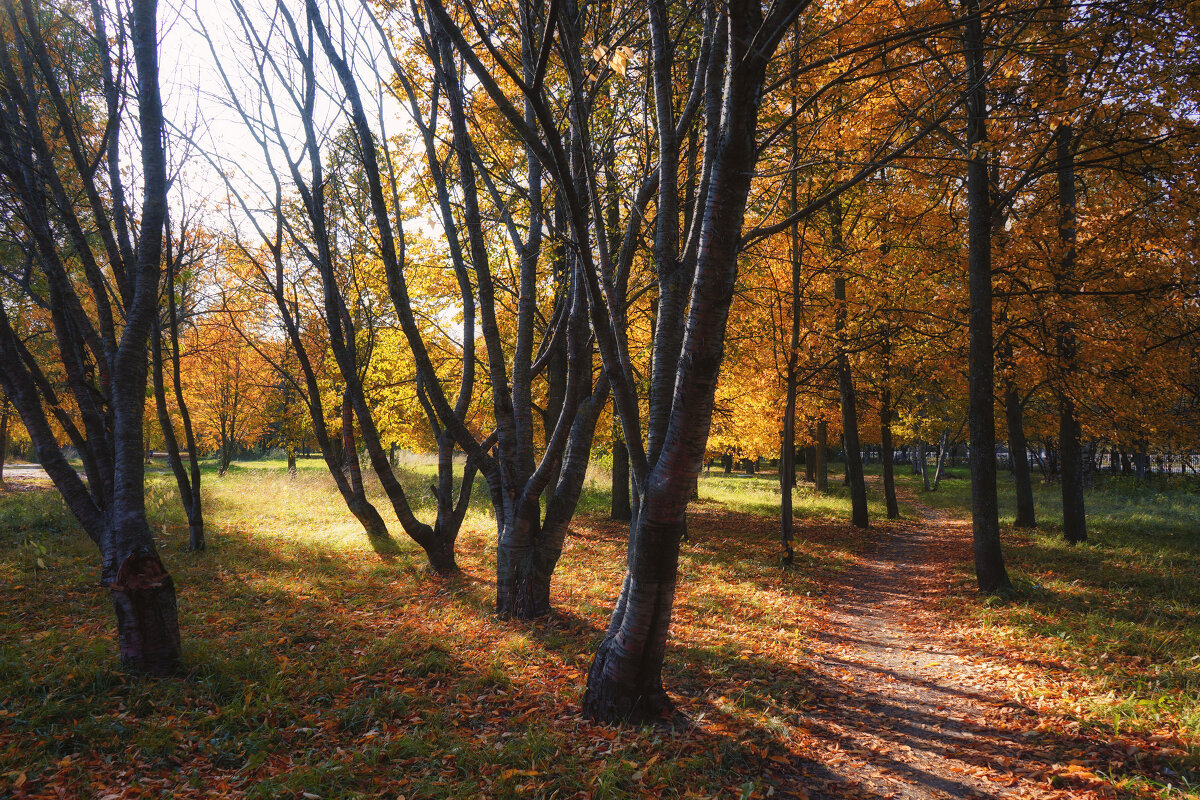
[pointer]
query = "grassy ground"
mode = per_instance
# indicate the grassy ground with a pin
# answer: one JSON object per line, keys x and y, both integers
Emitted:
{"x": 317, "y": 669}
{"x": 1121, "y": 611}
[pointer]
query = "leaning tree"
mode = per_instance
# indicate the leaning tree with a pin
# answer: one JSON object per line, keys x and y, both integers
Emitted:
{"x": 77, "y": 96}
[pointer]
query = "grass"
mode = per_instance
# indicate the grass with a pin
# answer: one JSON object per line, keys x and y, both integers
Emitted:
{"x": 316, "y": 668}
{"x": 1121, "y": 611}
{"x": 759, "y": 494}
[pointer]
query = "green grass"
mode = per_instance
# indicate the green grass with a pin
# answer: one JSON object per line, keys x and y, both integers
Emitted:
{"x": 314, "y": 666}
{"x": 760, "y": 494}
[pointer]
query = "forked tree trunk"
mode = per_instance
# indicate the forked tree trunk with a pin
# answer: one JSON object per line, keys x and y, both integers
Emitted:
{"x": 941, "y": 460}
{"x": 525, "y": 563}
{"x": 529, "y": 545}
{"x": 625, "y": 679}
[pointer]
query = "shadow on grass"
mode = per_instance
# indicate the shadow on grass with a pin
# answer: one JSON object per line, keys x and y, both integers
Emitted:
{"x": 332, "y": 672}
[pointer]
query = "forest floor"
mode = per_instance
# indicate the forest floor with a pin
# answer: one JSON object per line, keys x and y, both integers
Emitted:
{"x": 871, "y": 669}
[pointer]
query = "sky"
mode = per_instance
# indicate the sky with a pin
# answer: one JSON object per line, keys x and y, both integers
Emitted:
{"x": 197, "y": 101}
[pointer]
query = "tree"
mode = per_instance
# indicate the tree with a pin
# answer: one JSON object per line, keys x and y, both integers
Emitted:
{"x": 65, "y": 95}
{"x": 183, "y": 254}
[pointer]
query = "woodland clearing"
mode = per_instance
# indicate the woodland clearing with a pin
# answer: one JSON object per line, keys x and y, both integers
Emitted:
{"x": 317, "y": 668}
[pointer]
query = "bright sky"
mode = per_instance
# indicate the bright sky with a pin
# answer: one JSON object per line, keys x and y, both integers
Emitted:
{"x": 197, "y": 102}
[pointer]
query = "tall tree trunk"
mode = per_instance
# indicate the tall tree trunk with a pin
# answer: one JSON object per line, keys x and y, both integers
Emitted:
{"x": 187, "y": 497}
{"x": 787, "y": 454}
{"x": 1074, "y": 516}
{"x": 923, "y": 451}
{"x": 990, "y": 571}
{"x": 886, "y": 453}
{"x": 621, "y": 509}
{"x": 853, "y": 454}
{"x": 143, "y": 592}
{"x": 821, "y": 467}
{"x": 941, "y": 460}
{"x": 4, "y": 413}
{"x": 1018, "y": 449}
{"x": 625, "y": 679}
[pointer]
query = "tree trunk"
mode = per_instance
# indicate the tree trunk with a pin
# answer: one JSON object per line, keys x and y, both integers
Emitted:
{"x": 941, "y": 460}
{"x": 850, "y": 444}
{"x": 1018, "y": 450}
{"x": 787, "y": 476}
{"x": 886, "y": 452}
{"x": 3, "y": 436}
{"x": 787, "y": 447}
{"x": 990, "y": 571}
{"x": 923, "y": 451}
{"x": 143, "y": 597}
{"x": 621, "y": 509}
{"x": 727, "y": 463}
{"x": 224, "y": 457}
{"x": 810, "y": 464}
{"x": 189, "y": 494}
{"x": 1074, "y": 518}
{"x": 625, "y": 679}
{"x": 821, "y": 468}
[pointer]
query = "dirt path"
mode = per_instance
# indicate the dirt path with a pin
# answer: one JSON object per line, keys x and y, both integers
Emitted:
{"x": 900, "y": 712}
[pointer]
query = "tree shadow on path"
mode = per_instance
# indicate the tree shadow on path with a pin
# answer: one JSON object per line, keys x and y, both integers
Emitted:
{"x": 898, "y": 711}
